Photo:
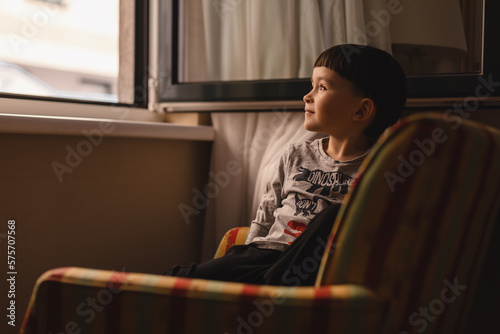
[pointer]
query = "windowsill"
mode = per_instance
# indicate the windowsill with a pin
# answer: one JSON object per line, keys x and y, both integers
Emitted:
{"x": 57, "y": 125}
{"x": 66, "y": 118}
{"x": 34, "y": 107}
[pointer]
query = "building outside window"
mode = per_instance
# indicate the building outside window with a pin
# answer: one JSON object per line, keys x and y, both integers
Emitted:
{"x": 60, "y": 48}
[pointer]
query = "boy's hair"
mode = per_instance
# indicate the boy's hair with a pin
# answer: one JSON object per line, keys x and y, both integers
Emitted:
{"x": 377, "y": 75}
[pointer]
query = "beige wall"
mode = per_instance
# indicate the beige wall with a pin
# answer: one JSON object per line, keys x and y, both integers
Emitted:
{"x": 117, "y": 209}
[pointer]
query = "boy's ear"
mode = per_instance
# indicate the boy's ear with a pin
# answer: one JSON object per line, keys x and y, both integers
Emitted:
{"x": 366, "y": 111}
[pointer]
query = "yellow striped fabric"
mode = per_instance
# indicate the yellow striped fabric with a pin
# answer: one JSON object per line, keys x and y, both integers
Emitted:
{"x": 97, "y": 301}
{"x": 235, "y": 236}
{"x": 415, "y": 227}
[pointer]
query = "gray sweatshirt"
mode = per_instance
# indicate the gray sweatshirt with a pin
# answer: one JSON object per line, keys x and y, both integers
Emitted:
{"x": 304, "y": 183}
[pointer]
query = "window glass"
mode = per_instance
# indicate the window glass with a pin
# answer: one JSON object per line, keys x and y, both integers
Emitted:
{"x": 222, "y": 40}
{"x": 230, "y": 52}
{"x": 60, "y": 48}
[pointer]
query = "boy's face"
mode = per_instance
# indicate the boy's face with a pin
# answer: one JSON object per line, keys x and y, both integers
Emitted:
{"x": 331, "y": 104}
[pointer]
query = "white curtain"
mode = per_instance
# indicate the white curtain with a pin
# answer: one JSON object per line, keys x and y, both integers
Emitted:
{"x": 263, "y": 39}
{"x": 355, "y": 21}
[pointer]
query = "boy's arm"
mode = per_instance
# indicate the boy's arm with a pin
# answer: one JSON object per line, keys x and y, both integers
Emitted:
{"x": 264, "y": 218}
{"x": 270, "y": 201}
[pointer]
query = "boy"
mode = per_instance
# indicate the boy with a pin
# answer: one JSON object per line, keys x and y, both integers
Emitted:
{"x": 357, "y": 92}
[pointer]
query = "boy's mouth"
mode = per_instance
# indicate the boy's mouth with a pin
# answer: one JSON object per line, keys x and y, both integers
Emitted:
{"x": 309, "y": 111}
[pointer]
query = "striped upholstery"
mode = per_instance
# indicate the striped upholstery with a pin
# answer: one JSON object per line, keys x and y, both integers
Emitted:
{"x": 235, "y": 236}
{"x": 140, "y": 303}
{"x": 417, "y": 222}
{"x": 406, "y": 240}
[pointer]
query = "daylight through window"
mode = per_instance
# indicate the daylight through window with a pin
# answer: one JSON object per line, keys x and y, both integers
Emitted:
{"x": 63, "y": 49}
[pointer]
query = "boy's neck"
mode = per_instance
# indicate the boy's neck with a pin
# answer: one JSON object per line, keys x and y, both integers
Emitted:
{"x": 348, "y": 149}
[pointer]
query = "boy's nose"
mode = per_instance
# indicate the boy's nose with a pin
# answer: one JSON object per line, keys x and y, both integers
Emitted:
{"x": 307, "y": 98}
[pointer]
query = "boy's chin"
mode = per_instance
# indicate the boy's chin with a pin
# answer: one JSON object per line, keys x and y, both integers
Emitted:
{"x": 308, "y": 126}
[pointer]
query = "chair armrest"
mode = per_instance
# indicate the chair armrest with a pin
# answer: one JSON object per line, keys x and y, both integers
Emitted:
{"x": 98, "y": 301}
{"x": 235, "y": 236}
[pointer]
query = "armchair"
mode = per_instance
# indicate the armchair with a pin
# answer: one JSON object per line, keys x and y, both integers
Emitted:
{"x": 409, "y": 243}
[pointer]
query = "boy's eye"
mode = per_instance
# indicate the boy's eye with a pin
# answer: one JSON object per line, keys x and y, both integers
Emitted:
{"x": 322, "y": 87}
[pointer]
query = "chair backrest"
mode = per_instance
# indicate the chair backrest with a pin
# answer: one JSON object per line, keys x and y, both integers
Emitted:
{"x": 415, "y": 226}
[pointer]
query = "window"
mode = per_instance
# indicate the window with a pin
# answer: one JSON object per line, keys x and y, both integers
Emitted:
{"x": 74, "y": 50}
{"x": 188, "y": 70}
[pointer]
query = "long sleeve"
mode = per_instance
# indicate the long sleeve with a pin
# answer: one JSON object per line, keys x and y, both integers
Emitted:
{"x": 271, "y": 200}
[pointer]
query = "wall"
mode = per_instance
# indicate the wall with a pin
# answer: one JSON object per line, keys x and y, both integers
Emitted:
{"x": 116, "y": 210}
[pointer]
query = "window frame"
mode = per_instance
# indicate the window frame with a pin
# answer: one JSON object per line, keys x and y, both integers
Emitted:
{"x": 437, "y": 91}
{"x": 140, "y": 90}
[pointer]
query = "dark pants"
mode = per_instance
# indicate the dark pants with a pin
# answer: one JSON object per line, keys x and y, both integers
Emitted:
{"x": 297, "y": 266}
